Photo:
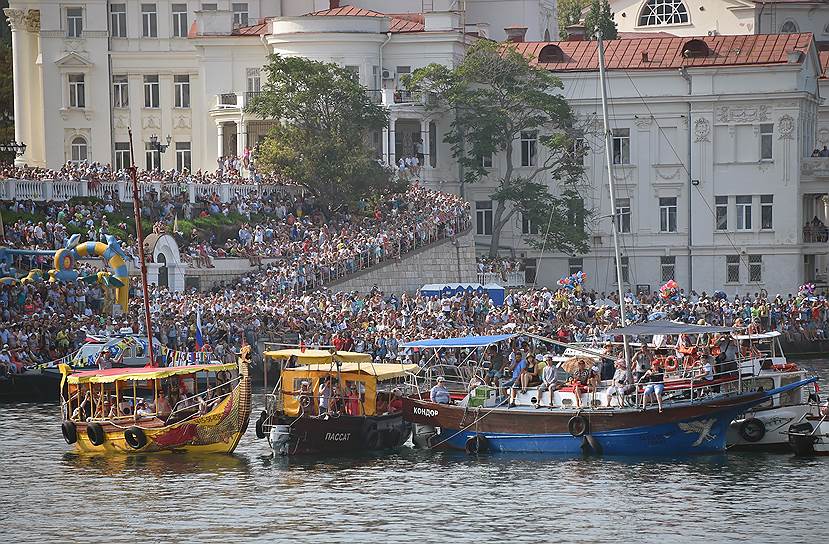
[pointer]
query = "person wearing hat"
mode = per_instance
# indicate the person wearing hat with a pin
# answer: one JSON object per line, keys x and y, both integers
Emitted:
{"x": 439, "y": 394}
{"x": 5, "y": 360}
{"x": 619, "y": 385}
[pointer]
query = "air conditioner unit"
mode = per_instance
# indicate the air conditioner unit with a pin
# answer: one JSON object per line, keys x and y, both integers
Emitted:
{"x": 387, "y": 74}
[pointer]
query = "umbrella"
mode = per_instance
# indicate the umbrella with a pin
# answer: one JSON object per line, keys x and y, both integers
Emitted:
{"x": 571, "y": 365}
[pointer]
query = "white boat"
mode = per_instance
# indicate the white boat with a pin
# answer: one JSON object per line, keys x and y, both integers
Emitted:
{"x": 810, "y": 436}
{"x": 763, "y": 363}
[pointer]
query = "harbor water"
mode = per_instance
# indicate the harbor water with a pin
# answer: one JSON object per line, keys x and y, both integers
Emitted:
{"x": 52, "y": 495}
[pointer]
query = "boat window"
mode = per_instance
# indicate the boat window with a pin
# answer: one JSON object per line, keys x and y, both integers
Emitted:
{"x": 793, "y": 397}
{"x": 767, "y": 384}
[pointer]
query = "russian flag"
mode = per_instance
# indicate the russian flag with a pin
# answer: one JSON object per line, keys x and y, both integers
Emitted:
{"x": 199, "y": 339}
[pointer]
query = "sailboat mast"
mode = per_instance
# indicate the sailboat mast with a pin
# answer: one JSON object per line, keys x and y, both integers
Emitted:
{"x": 139, "y": 234}
{"x": 608, "y": 149}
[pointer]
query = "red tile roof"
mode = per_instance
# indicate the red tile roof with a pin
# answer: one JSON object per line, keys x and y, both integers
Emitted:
{"x": 400, "y": 22}
{"x": 253, "y": 30}
{"x": 666, "y": 53}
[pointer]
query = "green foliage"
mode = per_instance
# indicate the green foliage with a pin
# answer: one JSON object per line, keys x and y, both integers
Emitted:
{"x": 600, "y": 19}
{"x": 326, "y": 120}
{"x": 496, "y": 95}
{"x": 569, "y": 13}
{"x": 6, "y": 95}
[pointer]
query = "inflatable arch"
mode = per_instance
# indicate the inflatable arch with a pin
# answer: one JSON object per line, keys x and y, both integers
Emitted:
{"x": 118, "y": 277}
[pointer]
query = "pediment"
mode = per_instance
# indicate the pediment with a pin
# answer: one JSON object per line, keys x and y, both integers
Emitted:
{"x": 73, "y": 59}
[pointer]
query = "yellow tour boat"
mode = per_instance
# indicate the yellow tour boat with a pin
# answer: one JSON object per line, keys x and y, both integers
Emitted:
{"x": 195, "y": 408}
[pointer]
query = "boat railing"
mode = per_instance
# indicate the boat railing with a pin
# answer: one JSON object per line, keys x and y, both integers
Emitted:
{"x": 187, "y": 404}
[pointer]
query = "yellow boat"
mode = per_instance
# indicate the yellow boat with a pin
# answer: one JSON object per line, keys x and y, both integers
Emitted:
{"x": 195, "y": 408}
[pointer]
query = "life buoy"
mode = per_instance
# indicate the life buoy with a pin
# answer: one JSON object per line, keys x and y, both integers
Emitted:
{"x": 135, "y": 438}
{"x": 95, "y": 433}
{"x": 476, "y": 444}
{"x": 578, "y": 426}
{"x": 304, "y": 401}
{"x": 786, "y": 367}
{"x": 690, "y": 362}
{"x": 260, "y": 424}
{"x": 671, "y": 364}
{"x": 70, "y": 433}
{"x": 752, "y": 430}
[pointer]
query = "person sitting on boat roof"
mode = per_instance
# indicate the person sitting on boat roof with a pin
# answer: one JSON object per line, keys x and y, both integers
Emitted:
{"x": 580, "y": 380}
{"x": 496, "y": 365}
{"x": 530, "y": 374}
{"x": 655, "y": 377}
{"x": 620, "y": 386}
{"x": 550, "y": 381}
{"x": 439, "y": 394}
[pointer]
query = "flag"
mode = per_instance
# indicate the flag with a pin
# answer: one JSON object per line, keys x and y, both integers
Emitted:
{"x": 199, "y": 339}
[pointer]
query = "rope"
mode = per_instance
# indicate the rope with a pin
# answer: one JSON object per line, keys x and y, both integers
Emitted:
{"x": 478, "y": 418}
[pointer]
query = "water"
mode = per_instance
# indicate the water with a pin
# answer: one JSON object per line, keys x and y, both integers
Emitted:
{"x": 52, "y": 495}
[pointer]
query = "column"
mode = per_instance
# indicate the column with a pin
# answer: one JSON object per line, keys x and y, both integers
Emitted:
{"x": 384, "y": 140}
{"x": 240, "y": 137}
{"x": 17, "y": 22}
{"x": 391, "y": 142}
{"x": 220, "y": 133}
{"x": 424, "y": 138}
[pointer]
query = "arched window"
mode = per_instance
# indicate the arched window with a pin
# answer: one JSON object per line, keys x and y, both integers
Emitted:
{"x": 79, "y": 149}
{"x": 789, "y": 27}
{"x": 695, "y": 49}
{"x": 551, "y": 53}
{"x": 663, "y": 12}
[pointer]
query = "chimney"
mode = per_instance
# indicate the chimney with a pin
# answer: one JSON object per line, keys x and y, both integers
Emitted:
{"x": 515, "y": 33}
{"x": 576, "y": 33}
{"x": 333, "y": 4}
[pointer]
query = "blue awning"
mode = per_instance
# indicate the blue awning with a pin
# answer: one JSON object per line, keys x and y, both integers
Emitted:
{"x": 462, "y": 342}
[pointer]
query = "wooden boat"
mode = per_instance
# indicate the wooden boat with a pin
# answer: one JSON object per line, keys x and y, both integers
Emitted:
{"x": 359, "y": 412}
{"x": 128, "y": 410}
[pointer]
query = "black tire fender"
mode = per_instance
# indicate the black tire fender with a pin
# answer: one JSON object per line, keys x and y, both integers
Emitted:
{"x": 476, "y": 444}
{"x": 578, "y": 426}
{"x": 752, "y": 430}
{"x": 135, "y": 437}
{"x": 260, "y": 425}
{"x": 95, "y": 433}
{"x": 69, "y": 431}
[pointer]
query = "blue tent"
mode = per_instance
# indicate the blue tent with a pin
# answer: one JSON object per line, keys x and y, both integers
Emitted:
{"x": 462, "y": 342}
{"x": 495, "y": 291}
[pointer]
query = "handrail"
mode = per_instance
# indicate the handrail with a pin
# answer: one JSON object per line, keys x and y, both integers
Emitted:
{"x": 176, "y": 410}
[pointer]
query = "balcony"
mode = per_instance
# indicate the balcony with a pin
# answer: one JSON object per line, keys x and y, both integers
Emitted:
{"x": 815, "y": 168}
{"x": 228, "y": 100}
{"x": 815, "y": 233}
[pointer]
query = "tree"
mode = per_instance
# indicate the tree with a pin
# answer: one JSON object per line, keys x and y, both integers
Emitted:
{"x": 6, "y": 83}
{"x": 600, "y": 18}
{"x": 569, "y": 13}
{"x": 497, "y": 96}
{"x": 325, "y": 122}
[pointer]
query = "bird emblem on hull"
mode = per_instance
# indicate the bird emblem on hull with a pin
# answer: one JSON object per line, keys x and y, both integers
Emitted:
{"x": 703, "y": 427}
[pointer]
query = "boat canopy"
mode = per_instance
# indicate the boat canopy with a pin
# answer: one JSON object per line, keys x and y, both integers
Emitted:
{"x": 666, "y": 326}
{"x": 461, "y": 342}
{"x": 310, "y": 356}
{"x": 758, "y": 336}
{"x": 111, "y": 375}
{"x": 381, "y": 371}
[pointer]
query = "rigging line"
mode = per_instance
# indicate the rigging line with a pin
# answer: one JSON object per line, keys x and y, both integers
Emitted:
{"x": 683, "y": 165}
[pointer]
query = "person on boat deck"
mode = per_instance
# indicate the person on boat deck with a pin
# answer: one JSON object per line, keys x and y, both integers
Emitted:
{"x": 304, "y": 396}
{"x": 580, "y": 380}
{"x": 439, "y": 394}
{"x": 643, "y": 359}
{"x": 104, "y": 360}
{"x": 162, "y": 405}
{"x": 517, "y": 369}
{"x": 530, "y": 374}
{"x": 142, "y": 410}
{"x": 655, "y": 386}
{"x": 550, "y": 381}
{"x": 620, "y": 384}
{"x": 396, "y": 404}
{"x": 82, "y": 412}
{"x": 706, "y": 371}
{"x": 496, "y": 367}
{"x": 326, "y": 390}
{"x": 352, "y": 401}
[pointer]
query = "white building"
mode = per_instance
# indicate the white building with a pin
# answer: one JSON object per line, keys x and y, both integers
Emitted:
{"x": 713, "y": 136}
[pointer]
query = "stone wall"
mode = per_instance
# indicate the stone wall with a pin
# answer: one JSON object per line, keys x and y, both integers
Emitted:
{"x": 447, "y": 261}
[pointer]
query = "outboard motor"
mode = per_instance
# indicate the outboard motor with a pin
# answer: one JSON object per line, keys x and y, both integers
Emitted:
{"x": 422, "y": 435}
{"x": 280, "y": 438}
{"x": 801, "y": 439}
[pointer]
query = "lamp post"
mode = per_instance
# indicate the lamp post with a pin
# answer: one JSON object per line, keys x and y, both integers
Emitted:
{"x": 158, "y": 146}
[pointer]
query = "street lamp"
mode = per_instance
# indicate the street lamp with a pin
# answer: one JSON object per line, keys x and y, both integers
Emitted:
{"x": 18, "y": 148}
{"x": 158, "y": 146}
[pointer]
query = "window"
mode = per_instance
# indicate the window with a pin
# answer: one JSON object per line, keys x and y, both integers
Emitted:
{"x": 118, "y": 20}
{"x": 149, "y": 21}
{"x": 721, "y": 212}
{"x": 483, "y": 216}
{"x": 79, "y": 149}
{"x": 668, "y": 265}
{"x": 254, "y": 83}
{"x": 77, "y": 91}
{"x": 182, "y": 84}
{"x": 755, "y": 268}
{"x": 179, "y": 20}
{"x": 575, "y": 265}
{"x": 152, "y": 156}
{"x": 667, "y": 214}
{"x": 625, "y": 270}
{"x": 789, "y": 27}
{"x": 744, "y": 213}
{"x": 209, "y": 7}
{"x": 120, "y": 92}
{"x": 122, "y": 155}
{"x": 663, "y": 12}
{"x": 766, "y": 141}
{"x": 528, "y": 226}
{"x": 354, "y": 73}
{"x": 621, "y": 146}
{"x": 151, "y": 90}
{"x": 529, "y": 148}
{"x": 182, "y": 156}
{"x": 732, "y": 269}
{"x": 766, "y": 206}
{"x": 240, "y": 14}
{"x": 623, "y": 215}
{"x": 400, "y": 70}
{"x": 74, "y": 22}
{"x": 486, "y": 160}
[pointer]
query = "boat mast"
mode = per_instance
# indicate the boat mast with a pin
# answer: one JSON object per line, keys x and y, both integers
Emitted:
{"x": 139, "y": 234}
{"x": 608, "y": 148}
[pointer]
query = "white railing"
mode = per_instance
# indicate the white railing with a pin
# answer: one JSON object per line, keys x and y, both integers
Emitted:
{"x": 63, "y": 190}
